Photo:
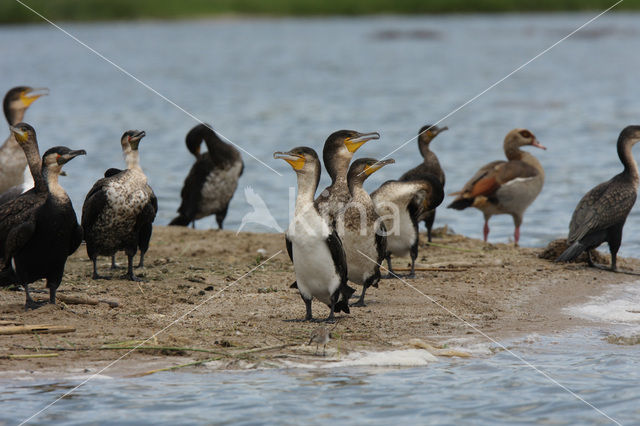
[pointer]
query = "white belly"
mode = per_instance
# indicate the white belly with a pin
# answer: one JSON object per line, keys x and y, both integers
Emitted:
{"x": 315, "y": 271}
{"x": 362, "y": 255}
{"x": 401, "y": 234}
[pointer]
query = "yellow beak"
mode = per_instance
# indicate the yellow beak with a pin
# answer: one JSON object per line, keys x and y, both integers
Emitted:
{"x": 295, "y": 160}
{"x": 29, "y": 96}
{"x": 353, "y": 143}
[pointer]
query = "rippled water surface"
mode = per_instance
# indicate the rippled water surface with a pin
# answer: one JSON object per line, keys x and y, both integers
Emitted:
{"x": 486, "y": 390}
{"x": 274, "y": 84}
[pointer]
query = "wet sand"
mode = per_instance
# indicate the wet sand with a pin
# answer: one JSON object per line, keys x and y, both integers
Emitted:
{"x": 205, "y": 290}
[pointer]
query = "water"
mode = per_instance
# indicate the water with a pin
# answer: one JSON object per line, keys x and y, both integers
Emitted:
{"x": 498, "y": 389}
{"x": 273, "y": 84}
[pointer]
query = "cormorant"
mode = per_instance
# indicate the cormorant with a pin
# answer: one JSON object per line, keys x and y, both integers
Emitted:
{"x": 39, "y": 228}
{"x": 600, "y": 215}
{"x": 362, "y": 233}
{"x": 505, "y": 187}
{"x": 212, "y": 180}
{"x": 119, "y": 210}
{"x": 336, "y": 154}
{"x": 430, "y": 165}
{"x": 400, "y": 205}
{"x": 313, "y": 246}
{"x": 12, "y": 159}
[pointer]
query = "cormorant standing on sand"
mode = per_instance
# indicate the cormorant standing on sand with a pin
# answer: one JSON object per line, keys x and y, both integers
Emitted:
{"x": 212, "y": 180}
{"x": 600, "y": 215}
{"x": 430, "y": 165}
{"x": 363, "y": 234}
{"x": 119, "y": 210}
{"x": 400, "y": 205}
{"x": 39, "y": 228}
{"x": 313, "y": 246}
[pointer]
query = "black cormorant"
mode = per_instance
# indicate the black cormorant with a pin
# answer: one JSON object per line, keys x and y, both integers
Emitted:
{"x": 39, "y": 228}
{"x": 212, "y": 180}
{"x": 600, "y": 215}
{"x": 430, "y": 165}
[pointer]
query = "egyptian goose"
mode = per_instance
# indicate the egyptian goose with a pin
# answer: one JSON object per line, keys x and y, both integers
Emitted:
{"x": 505, "y": 187}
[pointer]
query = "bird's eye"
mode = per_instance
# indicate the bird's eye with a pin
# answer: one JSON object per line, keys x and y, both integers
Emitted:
{"x": 525, "y": 134}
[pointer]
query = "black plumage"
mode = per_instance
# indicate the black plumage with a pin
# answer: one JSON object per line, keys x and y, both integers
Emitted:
{"x": 429, "y": 166}
{"x": 119, "y": 210}
{"x": 39, "y": 228}
{"x": 212, "y": 180}
{"x": 602, "y": 212}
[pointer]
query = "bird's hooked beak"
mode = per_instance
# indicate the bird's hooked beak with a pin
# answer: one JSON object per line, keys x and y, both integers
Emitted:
{"x": 439, "y": 130}
{"x": 29, "y": 96}
{"x": 21, "y": 136}
{"x": 134, "y": 140}
{"x": 354, "y": 142}
{"x": 537, "y": 144}
{"x": 65, "y": 158}
{"x": 377, "y": 166}
{"x": 295, "y": 160}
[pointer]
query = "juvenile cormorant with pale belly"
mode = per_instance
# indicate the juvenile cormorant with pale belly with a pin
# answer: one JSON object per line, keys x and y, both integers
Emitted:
{"x": 12, "y": 158}
{"x": 39, "y": 228}
{"x": 600, "y": 215}
{"x": 363, "y": 235}
{"x": 212, "y": 180}
{"x": 313, "y": 246}
{"x": 119, "y": 210}
{"x": 400, "y": 205}
{"x": 336, "y": 154}
{"x": 505, "y": 187}
{"x": 430, "y": 165}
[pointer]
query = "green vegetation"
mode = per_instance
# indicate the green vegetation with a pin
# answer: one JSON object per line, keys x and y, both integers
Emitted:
{"x": 91, "y": 10}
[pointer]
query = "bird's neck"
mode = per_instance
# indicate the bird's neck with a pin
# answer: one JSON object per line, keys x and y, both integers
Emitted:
{"x": 35, "y": 166}
{"x": 629, "y": 163}
{"x": 307, "y": 186}
{"x": 132, "y": 158}
{"x": 15, "y": 115}
{"x": 51, "y": 178}
{"x": 424, "y": 149}
{"x": 513, "y": 152}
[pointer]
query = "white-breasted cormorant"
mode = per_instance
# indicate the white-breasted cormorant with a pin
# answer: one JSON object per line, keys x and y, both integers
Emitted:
{"x": 430, "y": 165}
{"x": 600, "y": 215}
{"x": 313, "y": 245}
{"x": 336, "y": 155}
{"x": 39, "y": 228}
{"x": 119, "y": 210}
{"x": 362, "y": 233}
{"x": 12, "y": 159}
{"x": 212, "y": 180}
{"x": 505, "y": 187}
{"x": 401, "y": 205}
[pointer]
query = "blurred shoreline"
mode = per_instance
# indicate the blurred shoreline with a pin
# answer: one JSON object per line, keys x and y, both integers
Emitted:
{"x": 12, "y": 12}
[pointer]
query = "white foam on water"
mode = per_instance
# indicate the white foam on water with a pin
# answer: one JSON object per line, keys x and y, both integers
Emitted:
{"x": 619, "y": 305}
{"x": 398, "y": 358}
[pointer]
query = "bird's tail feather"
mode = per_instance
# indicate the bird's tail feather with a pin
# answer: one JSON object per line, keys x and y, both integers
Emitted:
{"x": 572, "y": 252}
{"x": 180, "y": 221}
{"x": 461, "y": 203}
{"x": 343, "y": 302}
{"x": 8, "y": 277}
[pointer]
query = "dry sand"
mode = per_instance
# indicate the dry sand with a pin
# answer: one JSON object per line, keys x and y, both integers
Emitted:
{"x": 203, "y": 279}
